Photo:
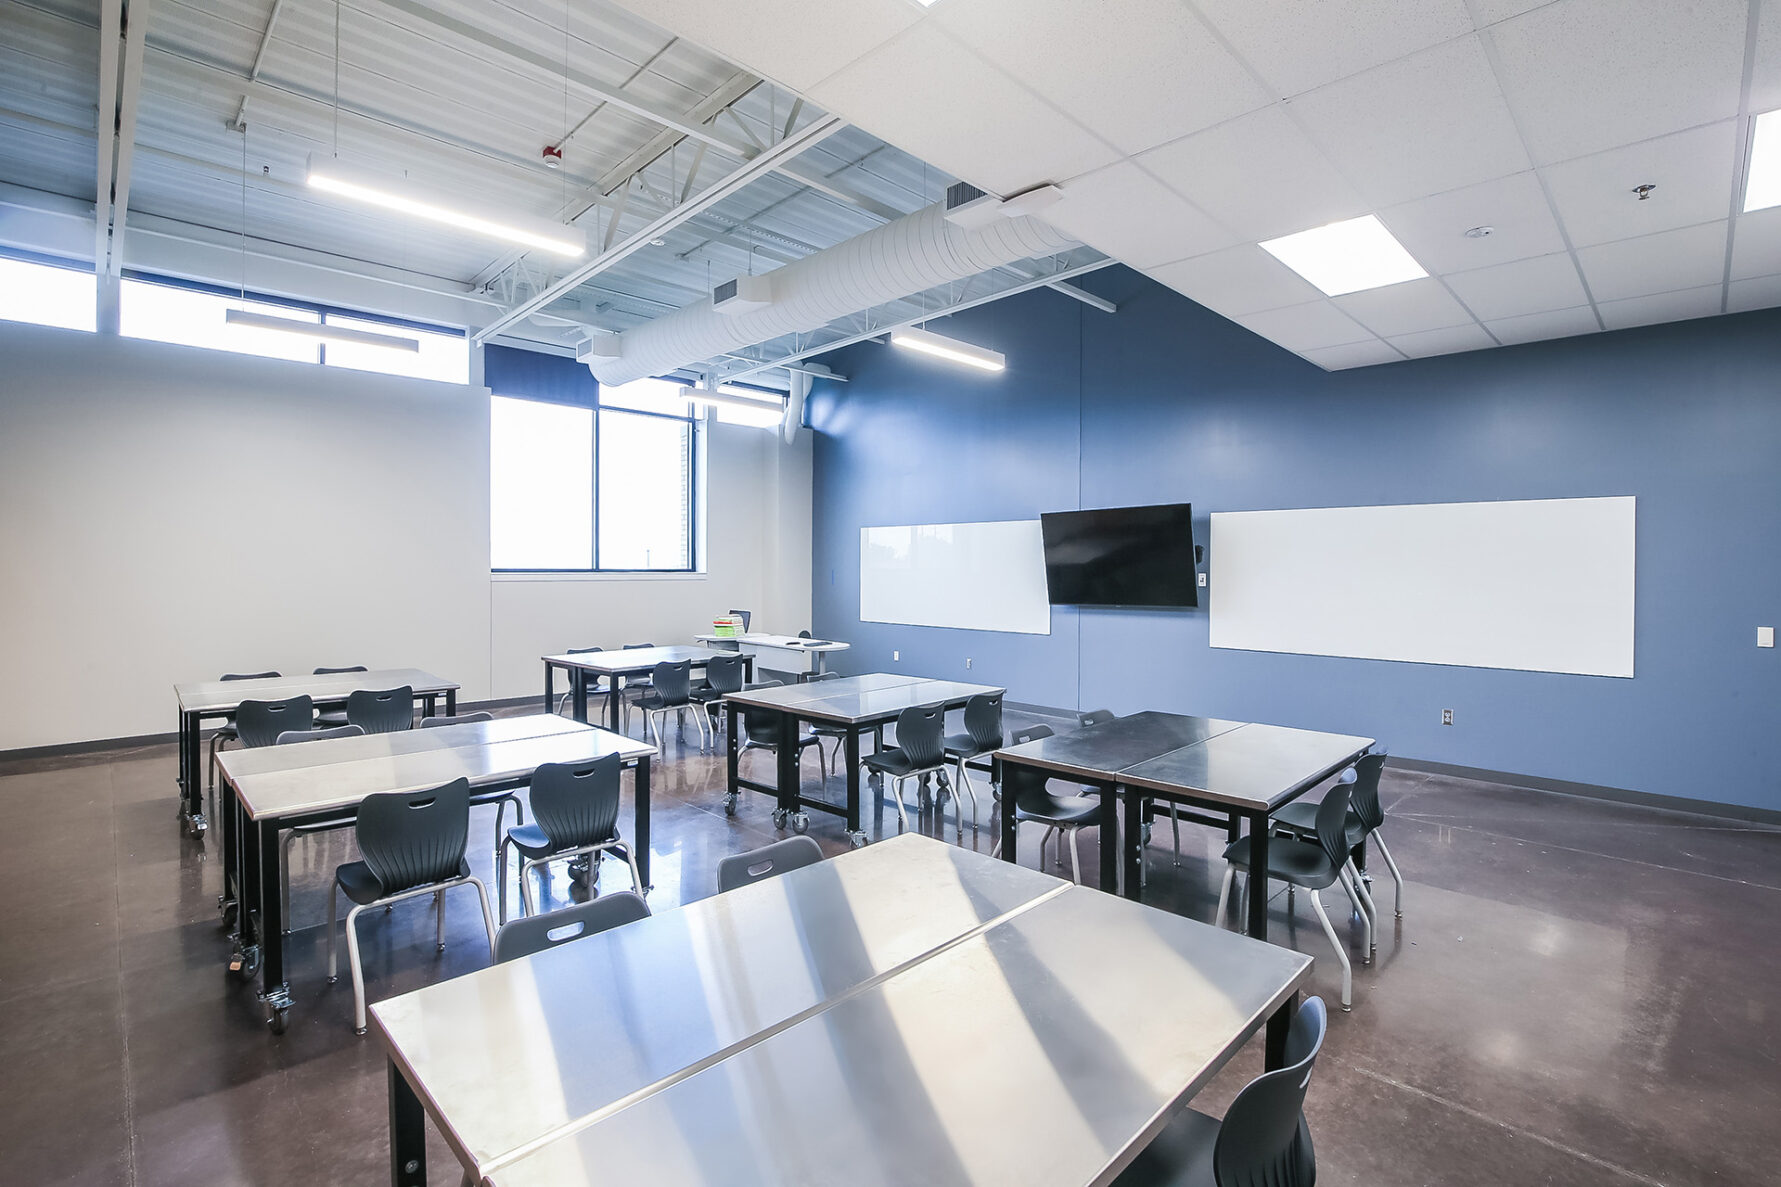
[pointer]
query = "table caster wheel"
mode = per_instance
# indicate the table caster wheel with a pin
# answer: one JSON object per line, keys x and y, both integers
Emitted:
{"x": 1144, "y": 833}
{"x": 278, "y": 1019}
{"x": 244, "y": 963}
{"x": 197, "y": 826}
{"x": 857, "y": 839}
{"x": 730, "y": 805}
{"x": 779, "y": 817}
{"x": 800, "y": 823}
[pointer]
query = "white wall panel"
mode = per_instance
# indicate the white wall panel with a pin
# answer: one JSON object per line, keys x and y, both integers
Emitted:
{"x": 978, "y": 576}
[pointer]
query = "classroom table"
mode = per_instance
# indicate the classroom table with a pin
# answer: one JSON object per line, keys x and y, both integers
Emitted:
{"x": 615, "y": 665}
{"x": 1241, "y": 770}
{"x": 856, "y": 703}
{"x": 217, "y": 699}
{"x": 901, "y": 1014}
{"x": 274, "y": 788}
{"x": 814, "y": 652}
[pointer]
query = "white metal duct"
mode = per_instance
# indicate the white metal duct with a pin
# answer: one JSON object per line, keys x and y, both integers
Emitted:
{"x": 916, "y": 252}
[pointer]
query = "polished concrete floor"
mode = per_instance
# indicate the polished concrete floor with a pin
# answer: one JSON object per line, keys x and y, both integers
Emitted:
{"x": 1578, "y": 992}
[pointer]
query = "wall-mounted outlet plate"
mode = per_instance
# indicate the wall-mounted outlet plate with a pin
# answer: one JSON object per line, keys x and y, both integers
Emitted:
{"x": 1447, "y": 717}
{"x": 1202, "y": 581}
{"x": 896, "y": 655}
{"x": 967, "y": 663}
{"x": 1765, "y": 636}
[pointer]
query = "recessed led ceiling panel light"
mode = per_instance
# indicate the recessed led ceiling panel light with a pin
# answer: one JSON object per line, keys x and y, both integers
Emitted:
{"x": 1346, "y": 257}
{"x": 1763, "y": 187}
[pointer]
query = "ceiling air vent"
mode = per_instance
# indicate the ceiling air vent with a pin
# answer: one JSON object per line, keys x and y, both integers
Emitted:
{"x": 745, "y": 294}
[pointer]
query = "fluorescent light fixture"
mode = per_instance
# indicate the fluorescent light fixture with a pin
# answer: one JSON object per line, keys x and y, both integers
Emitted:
{"x": 950, "y": 349}
{"x": 1346, "y": 257}
{"x": 1762, "y": 187}
{"x": 746, "y": 406}
{"x": 318, "y": 330}
{"x": 333, "y": 176}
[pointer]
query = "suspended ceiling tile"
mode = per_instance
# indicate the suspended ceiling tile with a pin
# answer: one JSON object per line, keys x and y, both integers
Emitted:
{"x": 1585, "y": 75}
{"x": 1765, "y": 81}
{"x": 1520, "y": 287}
{"x": 1353, "y": 354}
{"x": 1139, "y": 73}
{"x": 1433, "y": 229}
{"x": 1236, "y": 281}
{"x": 1406, "y": 308}
{"x": 931, "y": 95}
{"x": 1453, "y": 340}
{"x": 1761, "y": 292}
{"x": 1662, "y": 307}
{"x": 1258, "y": 175}
{"x": 1692, "y": 171}
{"x": 1756, "y": 244}
{"x": 1124, "y": 212}
{"x": 1538, "y": 327}
{"x": 1425, "y": 124}
{"x": 1489, "y": 12}
{"x": 1661, "y": 263}
{"x": 1310, "y": 326}
{"x": 1297, "y": 46}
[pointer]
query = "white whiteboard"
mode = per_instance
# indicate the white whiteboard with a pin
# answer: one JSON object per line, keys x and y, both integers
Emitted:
{"x": 1541, "y": 585}
{"x": 978, "y": 576}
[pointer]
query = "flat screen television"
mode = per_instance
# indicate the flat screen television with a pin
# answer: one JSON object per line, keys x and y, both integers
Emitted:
{"x": 1121, "y": 556}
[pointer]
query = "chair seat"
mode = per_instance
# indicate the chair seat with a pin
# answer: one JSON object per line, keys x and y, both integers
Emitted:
{"x": 1301, "y": 817}
{"x": 804, "y": 741}
{"x": 329, "y": 718}
{"x": 1179, "y": 1156}
{"x": 830, "y": 731}
{"x": 706, "y": 695}
{"x": 1059, "y": 809}
{"x": 532, "y": 841}
{"x": 894, "y": 763}
{"x": 1298, "y": 862}
{"x": 964, "y": 746}
{"x": 363, "y": 887}
{"x": 651, "y": 699}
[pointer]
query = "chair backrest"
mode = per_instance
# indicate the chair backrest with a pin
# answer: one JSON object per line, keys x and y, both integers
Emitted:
{"x": 673, "y": 682}
{"x": 412, "y": 838}
{"x": 583, "y": 650}
{"x": 381, "y": 711}
{"x": 805, "y": 635}
{"x": 251, "y": 675}
{"x": 818, "y": 677}
{"x": 741, "y": 869}
{"x": 340, "y": 671}
{"x": 983, "y": 720}
{"x": 1332, "y": 824}
{"x": 724, "y": 673}
{"x": 536, "y": 933}
{"x": 1032, "y": 733}
{"x": 260, "y": 722}
{"x": 761, "y": 726}
{"x": 637, "y": 646}
{"x": 746, "y": 616}
{"x": 1263, "y": 1140}
{"x": 428, "y": 723}
{"x": 338, "y": 731}
{"x": 577, "y": 803}
{"x": 1094, "y": 717}
{"x": 921, "y": 732}
{"x": 1025, "y": 782}
{"x": 1363, "y": 792}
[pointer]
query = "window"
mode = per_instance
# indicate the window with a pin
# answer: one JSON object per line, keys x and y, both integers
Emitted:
{"x": 47, "y": 294}
{"x": 167, "y": 312}
{"x": 607, "y": 488}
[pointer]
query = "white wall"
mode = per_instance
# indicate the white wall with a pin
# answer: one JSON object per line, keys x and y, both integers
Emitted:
{"x": 169, "y": 513}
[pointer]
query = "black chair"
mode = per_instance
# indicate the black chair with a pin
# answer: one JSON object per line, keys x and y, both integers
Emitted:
{"x": 805, "y": 635}
{"x": 919, "y": 751}
{"x": 226, "y": 733}
{"x": 1365, "y": 816}
{"x": 428, "y": 723}
{"x": 1263, "y": 1140}
{"x": 381, "y": 711}
{"x": 1309, "y": 866}
{"x": 723, "y": 675}
{"x": 598, "y": 686}
{"x": 1064, "y": 815}
{"x": 289, "y": 738}
{"x": 760, "y": 731}
{"x": 983, "y": 735}
{"x": 1095, "y": 717}
{"x": 258, "y": 723}
{"x": 670, "y": 691}
{"x": 500, "y": 798}
{"x": 574, "y": 814}
{"x": 329, "y": 718}
{"x": 538, "y": 933}
{"x": 769, "y": 861}
{"x": 412, "y": 843}
{"x": 629, "y": 688}
{"x": 836, "y": 734}
{"x": 746, "y": 616}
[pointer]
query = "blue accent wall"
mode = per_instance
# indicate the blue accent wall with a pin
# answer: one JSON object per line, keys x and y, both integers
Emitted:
{"x": 1165, "y": 401}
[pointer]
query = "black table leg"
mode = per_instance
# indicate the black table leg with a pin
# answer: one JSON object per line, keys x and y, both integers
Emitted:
{"x": 1279, "y": 1025}
{"x": 1109, "y": 825}
{"x": 550, "y": 687}
{"x": 191, "y": 749}
{"x": 732, "y": 718}
{"x": 273, "y": 989}
{"x": 451, "y": 702}
{"x": 1131, "y": 845}
{"x": 851, "y": 754}
{"x": 614, "y": 693}
{"x": 429, "y": 703}
{"x": 789, "y": 775}
{"x": 642, "y": 820}
{"x": 1258, "y": 875}
{"x": 231, "y": 826}
{"x": 1010, "y": 826}
{"x": 578, "y": 694}
{"x": 408, "y": 1134}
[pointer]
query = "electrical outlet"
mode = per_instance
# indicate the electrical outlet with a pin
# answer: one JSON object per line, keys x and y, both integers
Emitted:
{"x": 1202, "y": 581}
{"x": 1765, "y": 636}
{"x": 896, "y": 656}
{"x": 967, "y": 663}
{"x": 1447, "y": 717}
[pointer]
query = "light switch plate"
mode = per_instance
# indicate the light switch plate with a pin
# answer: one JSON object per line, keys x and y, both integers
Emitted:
{"x": 1765, "y": 636}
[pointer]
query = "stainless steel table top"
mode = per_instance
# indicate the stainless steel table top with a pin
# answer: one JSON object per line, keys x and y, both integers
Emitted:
{"x": 855, "y": 706}
{"x": 1045, "y": 1051}
{"x": 512, "y": 1057}
{"x": 785, "y": 642}
{"x": 222, "y": 696}
{"x": 1255, "y": 767}
{"x": 634, "y": 662}
{"x": 266, "y": 759}
{"x": 320, "y": 784}
{"x": 815, "y": 690}
{"x": 1102, "y": 751}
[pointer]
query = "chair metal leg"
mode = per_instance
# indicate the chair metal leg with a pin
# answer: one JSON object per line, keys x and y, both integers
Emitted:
{"x": 501, "y": 876}
{"x": 1074, "y": 836}
{"x": 996, "y": 849}
{"x": 333, "y": 926}
{"x": 488, "y": 919}
{"x": 1175, "y": 824}
{"x": 358, "y": 970}
{"x": 964, "y": 781}
{"x": 902, "y": 812}
{"x": 284, "y": 879}
{"x": 439, "y": 927}
{"x": 1351, "y": 884}
{"x": 636, "y": 878}
{"x": 1224, "y": 894}
{"x": 1329, "y": 930}
{"x": 1379, "y": 844}
{"x": 527, "y": 898}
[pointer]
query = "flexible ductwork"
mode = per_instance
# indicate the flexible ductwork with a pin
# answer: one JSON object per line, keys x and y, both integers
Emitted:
{"x": 911, "y": 255}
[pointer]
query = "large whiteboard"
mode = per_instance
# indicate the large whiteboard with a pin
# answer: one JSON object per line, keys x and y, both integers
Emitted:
{"x": 1543, "y": 585}
{"x": 979, "y": 576}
